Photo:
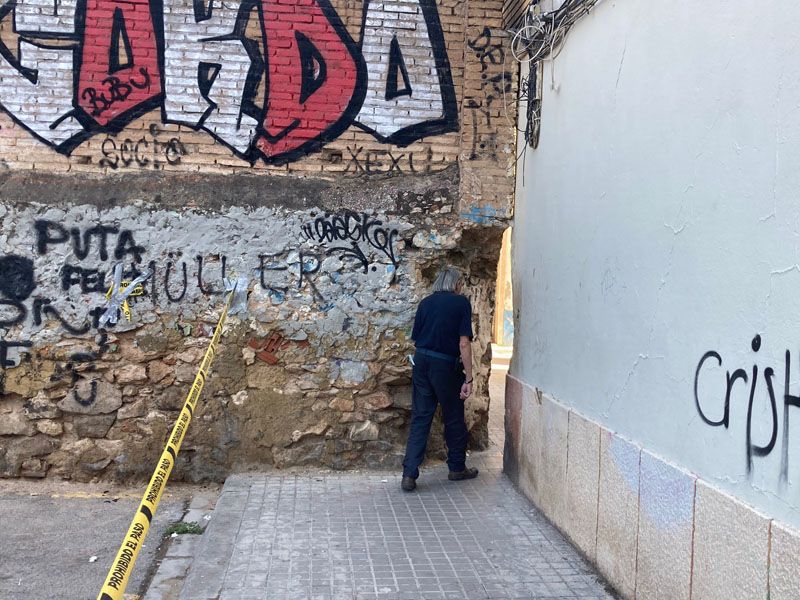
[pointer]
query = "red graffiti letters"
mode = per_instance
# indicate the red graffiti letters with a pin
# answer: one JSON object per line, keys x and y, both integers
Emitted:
{"x": 269, "y": 79}
{"x": 119, "y": 64}
{"x": 314, "y": 72}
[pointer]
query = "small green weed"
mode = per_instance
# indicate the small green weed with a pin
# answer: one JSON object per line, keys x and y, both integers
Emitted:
{"x": 182, "y": 528}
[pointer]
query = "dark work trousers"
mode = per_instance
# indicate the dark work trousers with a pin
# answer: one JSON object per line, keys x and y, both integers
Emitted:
{"x": 436, "y": 381}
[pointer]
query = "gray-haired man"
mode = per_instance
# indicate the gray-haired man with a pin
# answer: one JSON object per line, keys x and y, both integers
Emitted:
{"x": 442, "y": 374}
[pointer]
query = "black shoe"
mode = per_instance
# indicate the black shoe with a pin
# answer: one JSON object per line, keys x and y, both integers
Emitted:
{"x": 408, "y": 484}
{"x": 468, "y": 473}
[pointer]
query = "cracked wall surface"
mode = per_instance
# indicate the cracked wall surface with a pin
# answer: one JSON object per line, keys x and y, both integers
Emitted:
{"x": 661, "y": 254}
{"x": 653, "y": 408}
{"x": 659, "y": 258}
{"x": 337, "y": 154}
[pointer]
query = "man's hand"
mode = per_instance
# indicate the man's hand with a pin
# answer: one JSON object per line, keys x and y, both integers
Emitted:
{"x": 465, "y": 348}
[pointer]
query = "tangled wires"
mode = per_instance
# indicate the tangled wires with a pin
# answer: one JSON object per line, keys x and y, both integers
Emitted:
{"x": 541, "y": 37}
{"x": 542, "y": 34}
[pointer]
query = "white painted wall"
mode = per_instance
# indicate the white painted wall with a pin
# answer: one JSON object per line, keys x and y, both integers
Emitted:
{"x": 660, "y": 219}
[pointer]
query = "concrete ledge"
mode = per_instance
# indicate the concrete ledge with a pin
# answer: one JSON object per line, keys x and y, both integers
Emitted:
{"x": 215, "y": 192}
{"x": 583, "y": 474}
{"x": 513, "y": 425}
{"x": 618, "y": 512}
{"x": 654, "y": 530}
{"x": 666, "y": 507}
{"x": 784, "y": 563}
{"x": 731, "y": 548}
{"x": 553, "y": 457}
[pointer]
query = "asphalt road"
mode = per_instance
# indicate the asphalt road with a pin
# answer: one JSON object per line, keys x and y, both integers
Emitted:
{"x": 49, "y": 533}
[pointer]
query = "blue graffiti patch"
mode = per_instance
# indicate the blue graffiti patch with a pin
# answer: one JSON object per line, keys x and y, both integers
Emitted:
{"x": 479, "y": 215}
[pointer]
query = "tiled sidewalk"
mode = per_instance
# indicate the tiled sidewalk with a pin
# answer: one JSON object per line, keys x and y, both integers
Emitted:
{"x": 359, "y": 537}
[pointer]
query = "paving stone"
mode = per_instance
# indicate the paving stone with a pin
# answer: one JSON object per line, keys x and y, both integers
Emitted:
{"x": 358, "y": 536}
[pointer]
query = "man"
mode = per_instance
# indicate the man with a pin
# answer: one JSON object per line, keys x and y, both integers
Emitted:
{"x": 442, "y": 374}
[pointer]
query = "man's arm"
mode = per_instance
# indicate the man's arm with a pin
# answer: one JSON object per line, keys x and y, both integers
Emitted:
{"x": 465, "y": 346}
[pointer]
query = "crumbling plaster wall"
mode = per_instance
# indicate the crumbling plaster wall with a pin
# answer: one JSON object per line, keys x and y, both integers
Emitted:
{"x": 345, "y": 149}
{"x": 315, "y": 372}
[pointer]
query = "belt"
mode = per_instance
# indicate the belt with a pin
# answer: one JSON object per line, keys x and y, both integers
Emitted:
{"x": 439, "y": 355}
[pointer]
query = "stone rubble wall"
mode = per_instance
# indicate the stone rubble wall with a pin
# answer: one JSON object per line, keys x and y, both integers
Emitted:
{"x": 315, "y": 372}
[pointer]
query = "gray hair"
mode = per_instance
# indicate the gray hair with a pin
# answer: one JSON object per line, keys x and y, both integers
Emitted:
{"x": 447, "y": 280}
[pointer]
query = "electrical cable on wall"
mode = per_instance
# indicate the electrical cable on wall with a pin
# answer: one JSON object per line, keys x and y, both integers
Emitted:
{"x": 540, "y": 37}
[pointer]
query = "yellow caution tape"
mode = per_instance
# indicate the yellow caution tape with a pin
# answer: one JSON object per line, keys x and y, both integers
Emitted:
{"x": 121, "y": 568}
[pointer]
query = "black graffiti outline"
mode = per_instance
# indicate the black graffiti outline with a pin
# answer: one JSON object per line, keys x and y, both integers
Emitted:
{"x": 92, "y": 395}
{"x": 173, "y": 151}
{"x": 357, "y": 165}
{"x": 755, "y": 449}
{"x": 46, "y": 231}
{"x": 90, "y": 126}
{"x": 354, "y": 252}
{"x": 43, "y": 307}
{"x": 117, "y": 90}
{"x": 17, "y": 279}
{"x": 118, "y": 123}
{"x": 201, "y": 12}
{"x": 448, "y": 122}
{"x": 223, "y": 268}
{"x": 310, "y": 81}
{"x": 397, "y": 66}
{"x": 353, "y": 227}
{"x": 207, "y": 73}
{"x": 102, "y": 231}
{"x": 89, "y": 280}
{"x": 5, "y": 363}
{"x": 167, "y": 273}
{"x": 354, "y": 160}
{"x": 151, "y": 266}
{"x": 255, "y": 73}
{"x": 752, "y": 449}
{"x": 262, "y": 267}
{"x": 304, "y": 272}
{"x": 481, "y": 50}
{"x": 477, "y": 107}
{"x": 118, "y": 154}
{"x": 69, "y": 368}
{"x": 119, "y": 31}
{"x": 67, "y": 146}
{"x": 22, "y": 313}
{"x": 395, "y": 165}
{"x": 788, "y": 401}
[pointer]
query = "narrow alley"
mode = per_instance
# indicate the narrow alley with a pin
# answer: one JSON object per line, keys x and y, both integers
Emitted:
{"x": 357, "y": 536}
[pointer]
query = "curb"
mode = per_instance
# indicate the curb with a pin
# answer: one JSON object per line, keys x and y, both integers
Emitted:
{"x": 170, "y": 574}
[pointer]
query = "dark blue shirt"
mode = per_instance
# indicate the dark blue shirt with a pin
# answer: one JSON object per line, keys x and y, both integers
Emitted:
{"x": 442, "y": 318}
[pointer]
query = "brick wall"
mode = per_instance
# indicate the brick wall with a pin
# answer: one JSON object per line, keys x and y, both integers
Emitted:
{"x": 306, "y": 87}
